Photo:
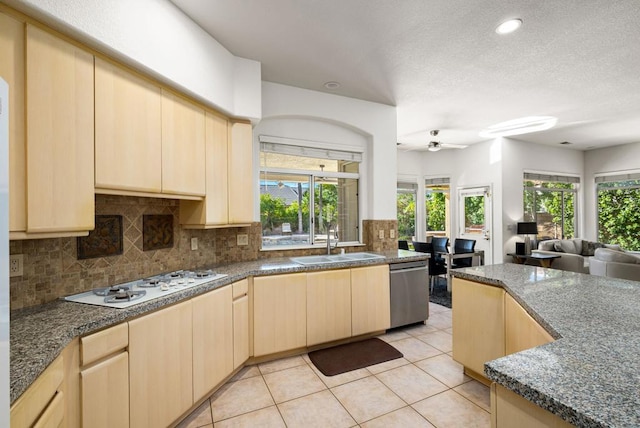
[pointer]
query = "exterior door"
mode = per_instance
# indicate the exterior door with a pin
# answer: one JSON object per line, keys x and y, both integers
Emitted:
{"x": 475, "y": 221}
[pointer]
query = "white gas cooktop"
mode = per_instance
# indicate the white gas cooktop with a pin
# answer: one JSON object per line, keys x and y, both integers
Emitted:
{"x": 142, "y": 290}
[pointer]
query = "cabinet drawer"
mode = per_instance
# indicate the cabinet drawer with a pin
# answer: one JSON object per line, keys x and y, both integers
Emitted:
{"x": 31, "y": 404}
{"x": 240, "y": 288}
{"x": 103, "y": 343}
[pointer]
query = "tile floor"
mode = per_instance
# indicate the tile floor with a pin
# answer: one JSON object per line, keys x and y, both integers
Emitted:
{"x": 426, "y": 388}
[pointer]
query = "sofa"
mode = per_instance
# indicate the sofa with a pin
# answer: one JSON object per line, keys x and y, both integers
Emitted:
{"x": 575, "y": 253}
{"x": 615, "y": 264}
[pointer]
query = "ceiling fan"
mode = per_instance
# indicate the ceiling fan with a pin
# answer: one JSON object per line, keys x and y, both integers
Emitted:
{"x": 435, "y": 146}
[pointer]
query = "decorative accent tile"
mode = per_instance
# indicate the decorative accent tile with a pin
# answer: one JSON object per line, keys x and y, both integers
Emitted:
{"x": 157, "y": 232}
{"x": 104, "y": 241}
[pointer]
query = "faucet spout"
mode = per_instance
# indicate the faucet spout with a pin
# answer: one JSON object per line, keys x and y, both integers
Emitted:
{"x": 335, "y": 232}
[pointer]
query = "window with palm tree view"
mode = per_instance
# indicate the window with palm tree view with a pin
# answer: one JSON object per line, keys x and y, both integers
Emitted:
{"x": 550, "y": 201}
{"x": 406, "y": 204}
{"x": 305, "y": 192}
{"x": 618, "y": 210}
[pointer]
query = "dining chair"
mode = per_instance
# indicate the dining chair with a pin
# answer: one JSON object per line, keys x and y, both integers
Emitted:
{"x": 435, "y": 269}
{"x": 440, "y": 247}
{"x": 463, "y": 246}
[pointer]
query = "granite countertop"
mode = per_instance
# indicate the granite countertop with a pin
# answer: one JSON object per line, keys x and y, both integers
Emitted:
{"x": 39, "y": 334}
{"x": 590, "y": 376}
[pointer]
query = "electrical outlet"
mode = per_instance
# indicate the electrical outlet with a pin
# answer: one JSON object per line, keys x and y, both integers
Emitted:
{"x": 194, "y": 244}
{"x": 392, "y": 233}
{"x": 381, "y": 234}
{"x": 242, "y": 239}
{"x": 15, "y": 265}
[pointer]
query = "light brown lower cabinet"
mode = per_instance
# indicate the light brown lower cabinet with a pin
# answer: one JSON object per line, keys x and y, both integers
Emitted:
{"x": 160, "y": 366}
{"x": 521, "y": 330}
{"x": 328, "y": 306}
{"x": 280, "y": 313}
{"x": 508, "y": 410}
{"x": 370, "y": 299}
{"x": 105, "y": 393}
{"x": 240, "y": 322}
{"x": 212, "y": 339}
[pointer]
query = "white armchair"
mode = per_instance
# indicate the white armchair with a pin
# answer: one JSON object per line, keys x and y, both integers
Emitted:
{"x": 615, "y": 264}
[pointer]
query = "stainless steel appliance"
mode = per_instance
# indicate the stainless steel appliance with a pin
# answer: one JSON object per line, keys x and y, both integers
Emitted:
{"x": 143, "y": 290}
{"x": 409, "y": 290}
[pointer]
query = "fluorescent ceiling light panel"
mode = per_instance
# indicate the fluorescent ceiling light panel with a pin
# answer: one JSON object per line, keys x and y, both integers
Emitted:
{"x": 523, "y": 125}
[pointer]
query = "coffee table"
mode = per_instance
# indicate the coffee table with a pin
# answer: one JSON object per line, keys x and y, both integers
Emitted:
{"x": 544, "y": 260}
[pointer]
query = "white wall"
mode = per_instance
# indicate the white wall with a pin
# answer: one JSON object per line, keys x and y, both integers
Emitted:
{"x": 316, "y": 116}
{"x": 606, "y": 160}
{"x": 156, "y": 37}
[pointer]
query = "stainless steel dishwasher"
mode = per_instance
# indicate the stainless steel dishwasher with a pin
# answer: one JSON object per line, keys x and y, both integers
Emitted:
{"x": 409, "y": 290}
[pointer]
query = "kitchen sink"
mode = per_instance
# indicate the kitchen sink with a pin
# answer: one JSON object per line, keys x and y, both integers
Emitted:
{"x": 335, "y": 258}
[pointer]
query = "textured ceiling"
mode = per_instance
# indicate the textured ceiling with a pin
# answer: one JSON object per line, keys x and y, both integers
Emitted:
{"x": 443, "y": 66}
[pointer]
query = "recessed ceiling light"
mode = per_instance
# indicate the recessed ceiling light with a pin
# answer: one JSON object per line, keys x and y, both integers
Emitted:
{"x": 523, "y": 125}
{"x": 332, "y": 85}
{"x": 509, "y": 26}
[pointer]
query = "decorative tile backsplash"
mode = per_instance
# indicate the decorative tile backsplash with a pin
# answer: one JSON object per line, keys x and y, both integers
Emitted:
{"x": 52, "y": 268}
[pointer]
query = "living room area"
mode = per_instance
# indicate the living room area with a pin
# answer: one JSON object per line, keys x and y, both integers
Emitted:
{"x": 515, "y": 171}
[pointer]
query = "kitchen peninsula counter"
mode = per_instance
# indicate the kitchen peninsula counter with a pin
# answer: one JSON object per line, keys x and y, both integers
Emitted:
{"x": 39, "y": 334}
{"x": 590, "y": 375}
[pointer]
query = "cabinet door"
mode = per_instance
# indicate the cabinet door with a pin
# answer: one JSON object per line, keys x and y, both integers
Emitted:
{"x": 240, "y": 323}
{"x": 478, "y": 324}
{"x": 12, "y": 71}
{"x": 214, "y": 210}
{"x": 183, "y": 152}
{"x": 105, "y": 393}
{"x": 280, "y": 315}
{"x": 212, "y": 340}
{"x": 328, "y": 306}
{"x": 60, "y": 171}
{"x": 370, "y": 302}
{"x": 240, "y": 174}
{"x": 128, "y": 142}
{"x": 521, "y": 331}
{"x": 160, "y": 366}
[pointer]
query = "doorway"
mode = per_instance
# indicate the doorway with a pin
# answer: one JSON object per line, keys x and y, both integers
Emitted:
{"x": 475, "y": 221}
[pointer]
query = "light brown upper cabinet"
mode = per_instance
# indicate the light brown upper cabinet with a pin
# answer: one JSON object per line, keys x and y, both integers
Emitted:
{"x": 128, "y": 139}
{"x": 12, "y": 71}
{"x": 229, "y": 177}
{"x": 183, "y": 146}
{"x": 59, "y": 135}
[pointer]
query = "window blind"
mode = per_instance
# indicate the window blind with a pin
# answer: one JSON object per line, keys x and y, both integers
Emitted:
{"x": 551, "y": 178}
{"x": 311, "y": 152}
{"x": 436, "y": 181}
{"x": 618, "y": 177}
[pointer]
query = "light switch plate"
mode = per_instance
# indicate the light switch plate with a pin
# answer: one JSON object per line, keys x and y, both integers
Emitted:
{"x": 242, "y": 239}
{"x": 392, "y": 233}
{"x": 381, "y": 234}
{"x": 194, "y": 244}
{"x": 15, "y": 265}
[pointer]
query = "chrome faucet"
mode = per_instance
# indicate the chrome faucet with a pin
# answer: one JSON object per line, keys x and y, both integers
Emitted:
{"x": 329, "y": 248}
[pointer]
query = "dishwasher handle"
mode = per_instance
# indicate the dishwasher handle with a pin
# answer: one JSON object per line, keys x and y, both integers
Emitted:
{"x": 408, "y": 270}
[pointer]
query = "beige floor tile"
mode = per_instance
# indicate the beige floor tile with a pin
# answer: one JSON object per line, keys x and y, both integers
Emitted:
{"x": 281, "y": 364}
{"x": 415, "y": 350}
{"x": 240, "y": 397}
{"x": 403, "y": 418}
{"x": 292, "y": 383}
{"x": 434, "y": 308}
{"x": 452, "y": 410}
{"x": 443, "y": 368}
{"x": 440, "y": 321}
{"x": 419, "y": 329}
{"x": 476, "y": 392}
{"x": 199, "y": 418}
{"x": 439, "y": 340}
{"x": 387, "y": 365}
{"x": 394, "y": 335}
{"x": 246, "y": 373}
{"x": 268, "y": 417}
{"x": 411, "y": 384}
{"x": 342, "y": 378}
{"x": 321, "y": 409}
{"x": 367, "y": 398}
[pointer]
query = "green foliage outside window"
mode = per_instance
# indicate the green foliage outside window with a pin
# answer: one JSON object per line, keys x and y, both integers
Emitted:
{"x": 619, "y": 216}
{"x": 436, "y": 211}
{"x": 406, "y": 205}
{"x": 473, "y": 212}
{"x": 552, "y": 207}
